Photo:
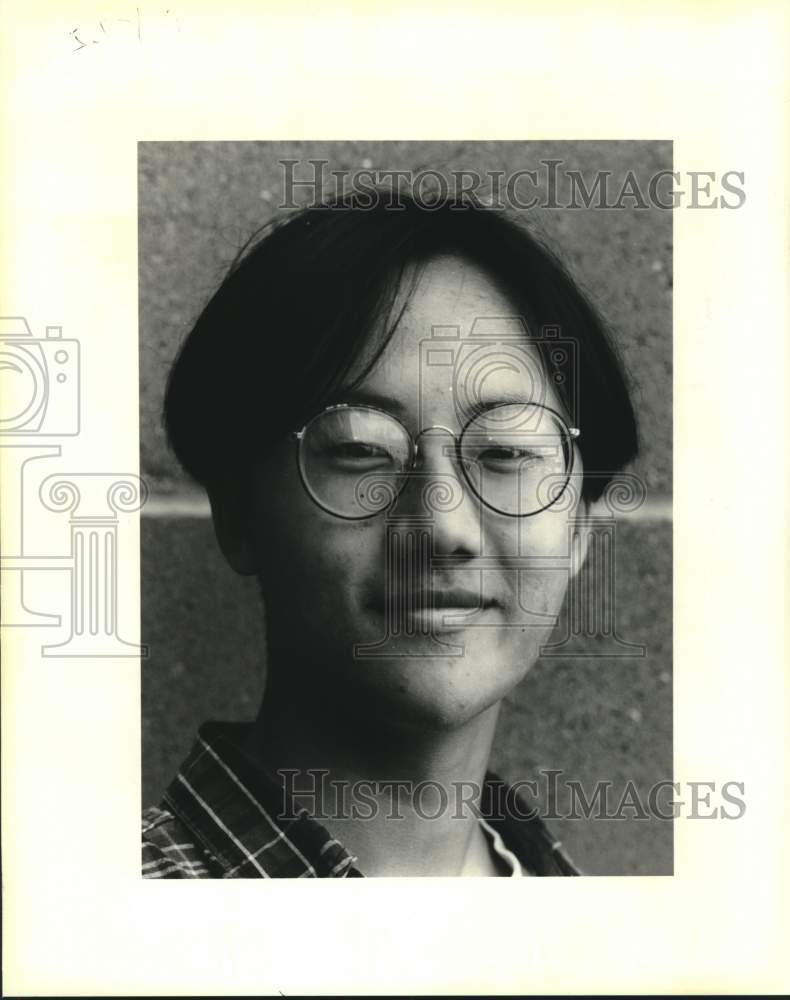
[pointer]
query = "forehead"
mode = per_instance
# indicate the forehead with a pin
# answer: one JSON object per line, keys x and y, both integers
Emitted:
{"x": 459, "y": 344}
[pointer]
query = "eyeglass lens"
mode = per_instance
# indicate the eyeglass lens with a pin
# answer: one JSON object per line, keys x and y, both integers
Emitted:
{"x": 353, "y": 459}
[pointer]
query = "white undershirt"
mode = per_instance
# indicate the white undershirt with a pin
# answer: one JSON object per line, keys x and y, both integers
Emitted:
{"x": 498, "y": 847}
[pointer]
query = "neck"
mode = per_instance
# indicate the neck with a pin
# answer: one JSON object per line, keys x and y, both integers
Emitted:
{"x": 398, "y": 797}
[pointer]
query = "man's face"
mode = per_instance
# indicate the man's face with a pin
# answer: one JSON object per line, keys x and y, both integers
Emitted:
{"x": 416, "y": 612}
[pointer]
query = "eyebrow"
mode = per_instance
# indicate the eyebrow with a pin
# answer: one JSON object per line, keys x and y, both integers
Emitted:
{"x": 504, "y": 398}
{"x": 364, "y": 397}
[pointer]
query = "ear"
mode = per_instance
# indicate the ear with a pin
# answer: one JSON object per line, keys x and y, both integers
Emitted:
{"x": 230, "y": 513}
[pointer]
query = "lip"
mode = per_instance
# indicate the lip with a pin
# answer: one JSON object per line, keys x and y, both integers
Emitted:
{"x": 437, "y": 599}
{"x": 455, "y": 599}
{"x": 448, "y": 619}
{"x": 437, "y": 609}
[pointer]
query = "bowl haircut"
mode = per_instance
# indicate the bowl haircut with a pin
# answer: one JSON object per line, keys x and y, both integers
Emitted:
{"x": 309, "y": 304}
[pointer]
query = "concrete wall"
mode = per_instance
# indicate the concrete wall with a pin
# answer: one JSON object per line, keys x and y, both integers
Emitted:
{"x": 594, "y": 716}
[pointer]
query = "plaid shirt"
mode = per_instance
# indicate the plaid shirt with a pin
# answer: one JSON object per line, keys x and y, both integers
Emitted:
{"x": 217, "y": 820}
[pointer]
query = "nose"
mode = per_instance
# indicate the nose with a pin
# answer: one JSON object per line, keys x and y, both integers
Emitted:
{"x": 437, "y": 493}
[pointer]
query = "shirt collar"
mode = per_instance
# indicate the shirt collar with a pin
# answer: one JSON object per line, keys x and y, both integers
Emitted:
{"x": 233, "y": 808}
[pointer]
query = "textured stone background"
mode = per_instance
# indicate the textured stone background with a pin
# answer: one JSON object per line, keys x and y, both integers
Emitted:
{"x": 199, "y": 201}
{"x": 596, "y": 717}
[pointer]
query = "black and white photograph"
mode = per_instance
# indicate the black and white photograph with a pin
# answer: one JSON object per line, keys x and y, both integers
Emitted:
{"x": 393, "y": 491}
{"x": 406, "y": 419}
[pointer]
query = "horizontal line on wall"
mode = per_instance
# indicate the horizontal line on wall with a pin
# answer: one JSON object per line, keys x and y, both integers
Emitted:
{"x": 196, "y": 505}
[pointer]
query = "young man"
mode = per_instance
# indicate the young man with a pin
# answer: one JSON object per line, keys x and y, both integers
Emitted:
{"x": 396, "y": 415}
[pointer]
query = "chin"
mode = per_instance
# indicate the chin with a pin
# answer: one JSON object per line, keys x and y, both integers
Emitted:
{"x": 436, "y": 693}
{"x": 408, "y": 682}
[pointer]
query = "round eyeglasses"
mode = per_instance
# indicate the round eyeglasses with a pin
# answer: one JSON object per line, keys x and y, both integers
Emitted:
{"x": 354, "y": 460}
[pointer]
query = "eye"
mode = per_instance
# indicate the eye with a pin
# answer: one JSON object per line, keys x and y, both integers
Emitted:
{"x": 504, "y": 458}
{"x": 358, "y": 454}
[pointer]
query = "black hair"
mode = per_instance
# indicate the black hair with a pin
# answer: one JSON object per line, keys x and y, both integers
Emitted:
{"x": 302, "y": 302}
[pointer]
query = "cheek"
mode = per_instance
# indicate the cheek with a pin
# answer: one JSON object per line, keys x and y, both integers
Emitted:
{"x": 312, "y": 563}
{"x": 546, "y": 535}
{"x": 532, "y": 541}
{"x": 539, "y": 548}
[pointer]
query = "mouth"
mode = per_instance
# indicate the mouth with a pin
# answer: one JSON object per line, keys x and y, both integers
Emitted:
{"x": 455, "y": 599}
{"x": 437, "y": 610}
